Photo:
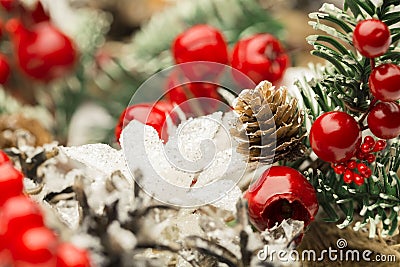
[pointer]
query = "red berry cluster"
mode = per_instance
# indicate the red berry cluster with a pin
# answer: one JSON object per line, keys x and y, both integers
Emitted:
{"x": 372, "y": 39}
{"x": 41, "y": 50}
{"x": 24, "y": 238}
{"x": 336, "y": 136}
{"x": 261, "y": 57}
{"x": 355, "y": 170}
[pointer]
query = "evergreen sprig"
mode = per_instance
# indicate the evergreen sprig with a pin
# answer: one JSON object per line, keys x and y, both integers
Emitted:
{"x": 342, "y": 84}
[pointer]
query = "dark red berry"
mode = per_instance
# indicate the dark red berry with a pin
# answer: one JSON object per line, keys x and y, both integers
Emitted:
{"x": 358, "y": 179}
{"x": 281, "y": 193}
{"x": 261, "y": 57}
{"x": 34, "y": 247}
{"x": 351, "y": 164}
{"x": 384, "y": 82}
{"x": 348, "y": 176}
{"x": 369, "y": 140}
{"x": 145, "y": 113}
{"x": 11, "y": 182}
{"x": 371, "y": 38}
{"x": 365, "y": 148}
{"x": 360, "y": 155}
{"x": 70, "y": 256}
{"x": 8, "y": 5}
{"x": 335, "y": 136}
{"x": 37, "y": 56}
{"x": 370, "y": 158}
{"x": 379, "y": 146}
{"x": 339, "y": 169}
{"x": 4, "y": 69}
{"x": 384, "y": 120}
{"x": 367, "y": 173}
{"x": 200, "y": 43}
{"x": 19, "y": 214}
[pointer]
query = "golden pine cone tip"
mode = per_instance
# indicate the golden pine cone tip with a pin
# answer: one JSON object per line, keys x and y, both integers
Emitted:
{"x": 269, "y": 124}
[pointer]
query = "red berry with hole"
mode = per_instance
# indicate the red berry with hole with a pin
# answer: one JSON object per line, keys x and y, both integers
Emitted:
{"x": 281, "y": 193}
{"x": 384, "y": 82}
{"x": 34, "y": 247}
{"x": 384, "y": 120}
{"x": 4, "y": 69}
{"x": 261, "y": 57}
{"x": 145, "y": 113}
{"x": 200, "y": 43}
{"x": 19, "y": 214}
{"x": 371, "y": 38}
{"x": 11, "y": 182}
{"x": 43, "y": 51}
{"x": 69, "y": 255}
{"x": 335, "y": 136}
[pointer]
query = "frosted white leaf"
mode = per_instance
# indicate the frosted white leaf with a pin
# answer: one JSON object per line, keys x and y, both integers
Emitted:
{"x": 124, "y": 238}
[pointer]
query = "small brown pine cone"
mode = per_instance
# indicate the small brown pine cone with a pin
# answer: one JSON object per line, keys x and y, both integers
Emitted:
{"x": 270, "y": 125}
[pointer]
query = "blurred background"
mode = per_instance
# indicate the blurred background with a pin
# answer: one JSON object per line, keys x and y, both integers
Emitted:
{"x": 116, "y": 45}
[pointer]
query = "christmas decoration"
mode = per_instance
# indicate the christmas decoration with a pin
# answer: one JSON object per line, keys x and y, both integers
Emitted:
{"x": 384, "y": 120}
{"x": 326, "y": 136}
{"x": 371, "y": 38}
{"x": 384, "y": 82}
{"x": 265, "y": 114}
{"x": 261, "y": 57}
{"x": 281, "y": 193}
{"x": 70, "y": 256}
{"x": 35, "y": 58}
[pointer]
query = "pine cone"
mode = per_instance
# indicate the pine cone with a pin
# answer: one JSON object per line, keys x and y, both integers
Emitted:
{"x": 269, "y": 127}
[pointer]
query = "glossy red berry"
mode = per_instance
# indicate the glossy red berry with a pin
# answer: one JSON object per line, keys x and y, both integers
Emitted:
{"x": 19, "y": 214}
{"x": 281, "y": 193}
{"x": 384, "y": 82}
{"x": 369, "y": 140}
{"x": 358, "y": 179}
{"x": 351, "y": 164}
{"x": 200, "y": 43}
{"x": 43, "y": 52}
{"x": 335, "y": 136}
{"x": 70, "y": 256}
{"x": 384, "y": 120}
{"x": 145, "y": 113}
{"x": 4, "y": 69}
{"x": 11, "y": 182}
{"x": 371, "y": 38}
{"x": 348, "y": 176}
{"x": 379, "y": 146}
{"x": 261, "y": 57}
{"x": 34, "y": 247}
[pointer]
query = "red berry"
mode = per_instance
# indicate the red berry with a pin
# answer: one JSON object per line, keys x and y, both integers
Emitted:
{"x": 339, "y": 169}
{"x": 369, "y": 140}
{"x": 365, "y": 148}
{"x": 145, "y": 113}
{"x": 351, "y": 164}
{"x": 4, "y": 69}
{"x": 3, "y": 158}
{"x": 8, "y": 5}
{"x": 186, "y": 94}
{"x": 384, "y": 120}
{"x": 261, "y": 57}
{"x": 43, "y": 52}
{"x": 379, "y": 146}
{"x": 370, "y": 158}
{"x": 19, "y": 214}
{"x": 34, "y": 247}
{"x": 11, "y": 182}
{"x": 70, "y": 256}
{"x": 360, "y": 155}
{"x": 200, "y": 43}
{"x": 348, "y": 176}
{"x": 371, "y": 38}
{"x": 361, "y": 167}
{"x": 335, "y": 136}
{"x": 358, "y": 179}
{"x": 281, "y": 193}
{"x": 384, "y": 82}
